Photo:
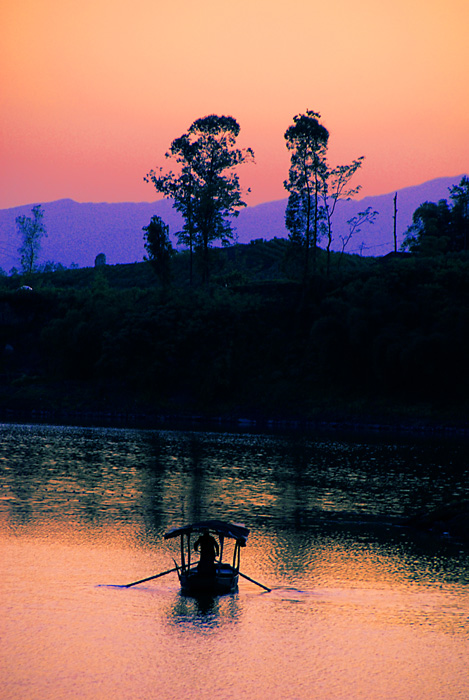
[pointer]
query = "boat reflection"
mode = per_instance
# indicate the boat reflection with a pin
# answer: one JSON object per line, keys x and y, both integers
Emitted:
{"x": 204, "y": 613}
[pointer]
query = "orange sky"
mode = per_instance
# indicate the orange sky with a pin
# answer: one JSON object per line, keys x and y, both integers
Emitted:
{"x": 93, "y": 91}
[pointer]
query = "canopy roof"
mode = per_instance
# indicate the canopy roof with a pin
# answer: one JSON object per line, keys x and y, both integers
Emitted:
{"x": 237, "y": 532}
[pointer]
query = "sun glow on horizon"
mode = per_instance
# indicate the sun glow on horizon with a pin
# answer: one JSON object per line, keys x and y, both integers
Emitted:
{"x": 94, "y": 93}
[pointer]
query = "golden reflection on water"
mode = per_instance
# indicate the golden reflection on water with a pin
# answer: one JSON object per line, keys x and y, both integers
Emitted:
{"x": 374, "y": 635}
{"x": 360, "y": 607}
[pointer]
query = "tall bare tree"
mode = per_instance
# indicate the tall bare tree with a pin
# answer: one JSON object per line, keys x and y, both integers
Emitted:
{"x": 335, "y": 186}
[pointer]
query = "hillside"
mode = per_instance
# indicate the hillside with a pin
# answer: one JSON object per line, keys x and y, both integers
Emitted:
{"x": 78, "y": 232}
{"x": 375, "y": 340}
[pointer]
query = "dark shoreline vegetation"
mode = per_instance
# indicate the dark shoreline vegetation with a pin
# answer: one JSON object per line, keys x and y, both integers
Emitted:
{"x": 372, "y": 342}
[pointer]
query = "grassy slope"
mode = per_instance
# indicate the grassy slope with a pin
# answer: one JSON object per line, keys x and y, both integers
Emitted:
{"x": 372, "y": 341}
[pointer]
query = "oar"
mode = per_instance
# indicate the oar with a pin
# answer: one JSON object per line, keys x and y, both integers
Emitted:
{"x": 256, "y": 582}
{"x": 142, "y": 580}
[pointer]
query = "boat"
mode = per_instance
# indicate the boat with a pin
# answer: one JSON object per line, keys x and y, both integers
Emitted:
{"x": 209, "y": 574}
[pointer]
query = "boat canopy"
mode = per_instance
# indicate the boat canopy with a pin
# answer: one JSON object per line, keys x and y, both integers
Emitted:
{"x": 236, "y": 532}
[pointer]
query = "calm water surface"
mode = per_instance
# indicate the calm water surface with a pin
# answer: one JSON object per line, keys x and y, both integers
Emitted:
{"x": 361, "y": 607}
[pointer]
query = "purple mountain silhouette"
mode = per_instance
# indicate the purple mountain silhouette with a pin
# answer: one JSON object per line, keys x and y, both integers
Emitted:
{"x": 77, "y": 233}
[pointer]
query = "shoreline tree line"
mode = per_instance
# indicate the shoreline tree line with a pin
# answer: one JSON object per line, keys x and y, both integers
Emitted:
{"x": 205, "y": 189}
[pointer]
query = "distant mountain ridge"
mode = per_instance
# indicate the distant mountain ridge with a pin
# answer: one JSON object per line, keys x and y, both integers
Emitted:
{"x": 78, "y": 232}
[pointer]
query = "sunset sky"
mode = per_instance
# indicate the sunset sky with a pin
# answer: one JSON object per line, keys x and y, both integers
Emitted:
{"x": 94, "y": 91}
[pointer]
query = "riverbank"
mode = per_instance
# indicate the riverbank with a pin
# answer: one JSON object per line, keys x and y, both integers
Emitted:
{"x": 405, "y": 420}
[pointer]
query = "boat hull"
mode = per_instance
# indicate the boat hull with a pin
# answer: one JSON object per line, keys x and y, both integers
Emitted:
{"x": 222, "y": 581}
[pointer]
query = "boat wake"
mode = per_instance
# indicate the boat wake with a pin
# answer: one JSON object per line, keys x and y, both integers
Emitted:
{"x": 290, "y": 592}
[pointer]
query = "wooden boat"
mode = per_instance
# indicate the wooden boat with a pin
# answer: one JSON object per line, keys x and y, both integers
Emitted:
{"x": 214, "y": 577}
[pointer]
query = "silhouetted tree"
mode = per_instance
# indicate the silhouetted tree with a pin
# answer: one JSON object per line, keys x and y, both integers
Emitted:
{"x": 335, "y": 185}
{"x": 159, "y": 248}
{"x": 205, "y": 190}
{"x": 307, "y": 140}
{"x": 460, "y": 211}
{"x": 31, "y": 230}
{"x": 430, "y": 231}
{"x": 355, "y": 224}
{"x": 441, "y": 228}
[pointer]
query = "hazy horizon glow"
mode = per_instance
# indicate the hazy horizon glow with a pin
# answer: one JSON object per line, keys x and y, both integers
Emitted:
{"x": 94, "y": 92}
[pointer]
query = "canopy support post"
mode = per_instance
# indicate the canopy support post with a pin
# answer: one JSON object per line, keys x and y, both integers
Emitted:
{"x": 222, "y": 541}
{"x": 236, "y": 557}
{"x": 183, "y": 559}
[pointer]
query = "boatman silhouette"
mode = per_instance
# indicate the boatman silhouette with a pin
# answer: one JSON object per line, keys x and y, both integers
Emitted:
{"x": 208, "y": 551}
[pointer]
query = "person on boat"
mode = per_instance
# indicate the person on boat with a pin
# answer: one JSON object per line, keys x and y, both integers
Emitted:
{"x": 208, "y": 547}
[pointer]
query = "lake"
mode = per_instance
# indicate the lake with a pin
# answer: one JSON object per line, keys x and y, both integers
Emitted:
{"x": 361, "y": 607}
